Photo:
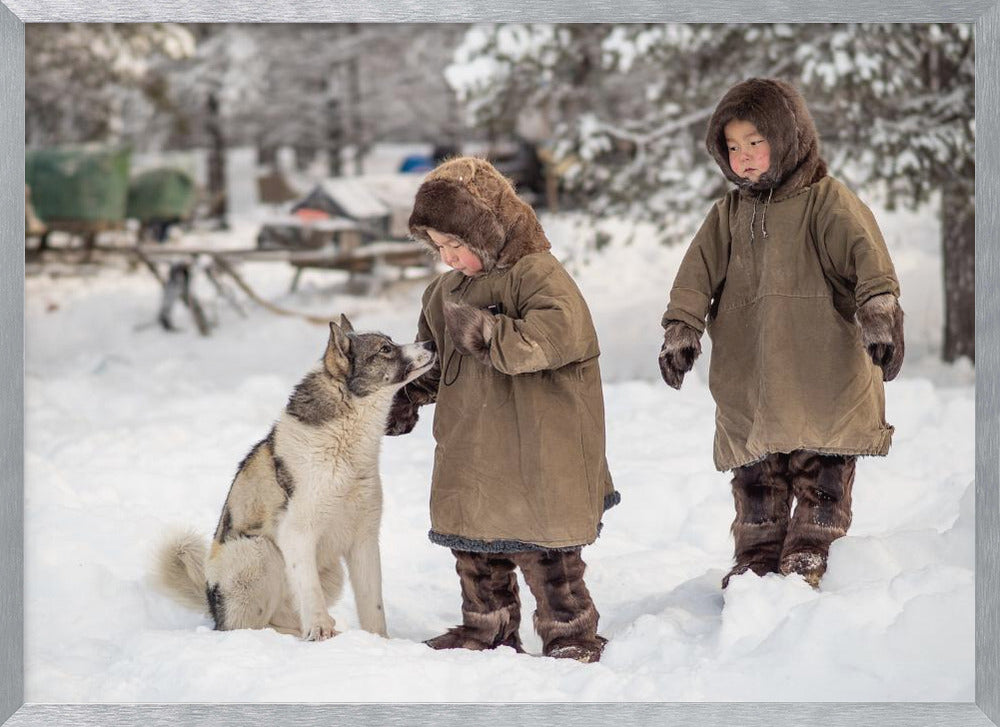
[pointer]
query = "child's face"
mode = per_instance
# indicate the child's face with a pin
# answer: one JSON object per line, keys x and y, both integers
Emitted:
{"x": 455, "y": 254}
{"x": 749, "y": 152}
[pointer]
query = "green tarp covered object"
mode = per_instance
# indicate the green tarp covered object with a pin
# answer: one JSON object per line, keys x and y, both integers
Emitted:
{"x": 79, "y": 184}
{"x": 161, "y": 194}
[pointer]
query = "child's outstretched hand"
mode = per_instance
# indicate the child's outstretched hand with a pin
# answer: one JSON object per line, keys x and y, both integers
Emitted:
{"x": 470, "y": 329}
{"x": 681, "y": 346}
{"x": 881, "y": 321}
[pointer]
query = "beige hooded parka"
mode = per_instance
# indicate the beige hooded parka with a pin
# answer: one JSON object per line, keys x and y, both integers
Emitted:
{"x": 520, "y": 460}
{"x": 778, "y": 270}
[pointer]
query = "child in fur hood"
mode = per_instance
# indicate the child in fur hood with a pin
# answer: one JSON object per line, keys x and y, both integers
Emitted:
{"x": 801, "y": 301}
{"x": 520, "y": 476}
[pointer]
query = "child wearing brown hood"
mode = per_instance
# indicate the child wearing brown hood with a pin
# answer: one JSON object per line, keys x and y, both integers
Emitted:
{"x": 801, "y": 300}
{"x": 520, "y": 476}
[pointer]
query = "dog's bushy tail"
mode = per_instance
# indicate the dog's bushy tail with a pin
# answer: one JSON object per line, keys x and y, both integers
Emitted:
{"x": 179, "y": 569}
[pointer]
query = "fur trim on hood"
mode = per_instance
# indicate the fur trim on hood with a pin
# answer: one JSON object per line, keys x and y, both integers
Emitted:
{"x": 468, "y": 198}
{"x": 779, "y": 112}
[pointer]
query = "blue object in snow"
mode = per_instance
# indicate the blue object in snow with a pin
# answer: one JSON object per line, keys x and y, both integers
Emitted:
{"x": 417, "y": 163}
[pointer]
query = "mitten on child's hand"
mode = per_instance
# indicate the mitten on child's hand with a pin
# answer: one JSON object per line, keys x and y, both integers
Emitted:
{"x": 402, "y": 415}
{"x": 470, "y": 329}
{"x": 881, "y": 321}
{"x": 681, "y": 346}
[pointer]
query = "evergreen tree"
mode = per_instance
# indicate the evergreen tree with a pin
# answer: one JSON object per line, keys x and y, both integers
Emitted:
{"x": 628, "y": 105}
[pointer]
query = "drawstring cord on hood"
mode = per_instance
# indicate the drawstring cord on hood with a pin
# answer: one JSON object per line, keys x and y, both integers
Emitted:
{"x": 763, "y": 217}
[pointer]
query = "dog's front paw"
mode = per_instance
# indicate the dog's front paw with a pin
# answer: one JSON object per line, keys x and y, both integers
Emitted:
{"x": 322, "y": 629}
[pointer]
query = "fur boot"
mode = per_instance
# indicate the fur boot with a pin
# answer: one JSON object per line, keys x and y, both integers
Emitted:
{"x": 763, "y": 496}
{"x": 491, "y": 608}
{"x": 566, "y": 618}
{"x": 822, "y": 486}
{"x": 881, "y": 321}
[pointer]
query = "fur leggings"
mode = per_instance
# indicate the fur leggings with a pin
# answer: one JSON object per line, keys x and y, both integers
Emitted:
{"x": 769, "y": 536}
{"x": 565, "y": 618}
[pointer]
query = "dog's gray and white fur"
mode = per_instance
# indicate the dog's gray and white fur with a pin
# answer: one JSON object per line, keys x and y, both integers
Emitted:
{"x": 305, "y": 497}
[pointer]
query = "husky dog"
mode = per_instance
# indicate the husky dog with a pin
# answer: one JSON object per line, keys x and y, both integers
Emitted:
{"x": 305, "y": 496}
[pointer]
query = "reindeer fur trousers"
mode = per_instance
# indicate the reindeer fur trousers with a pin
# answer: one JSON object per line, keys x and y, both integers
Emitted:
{"x": 769, "y": 537}
{"x": 565, "y": 618}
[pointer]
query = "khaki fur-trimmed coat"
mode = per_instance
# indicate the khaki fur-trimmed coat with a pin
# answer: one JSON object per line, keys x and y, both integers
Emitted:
{"x": 778, "y": 271}
{"x": 519, "y": 422}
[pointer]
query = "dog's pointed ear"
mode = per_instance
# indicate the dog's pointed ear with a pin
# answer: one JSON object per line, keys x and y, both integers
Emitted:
{"x": 337, "y": 359}
{"x": 345, "y": 324}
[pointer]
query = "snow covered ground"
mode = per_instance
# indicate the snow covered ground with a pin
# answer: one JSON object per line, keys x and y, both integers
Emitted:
{"x": 130, "y": 430}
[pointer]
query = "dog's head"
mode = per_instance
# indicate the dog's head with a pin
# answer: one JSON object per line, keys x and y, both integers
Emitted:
{"x": 368, "y": 362}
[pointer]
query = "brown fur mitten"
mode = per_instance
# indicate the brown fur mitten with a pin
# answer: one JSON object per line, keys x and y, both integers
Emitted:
{"x": 470, "y": 330}
{"x": 681, "y": 346}
{"x": 881, "y": 321}
{"x": 403, "y": 415}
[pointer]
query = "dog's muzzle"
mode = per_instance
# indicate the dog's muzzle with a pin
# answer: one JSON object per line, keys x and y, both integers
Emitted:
{"x": 424, "y": 357}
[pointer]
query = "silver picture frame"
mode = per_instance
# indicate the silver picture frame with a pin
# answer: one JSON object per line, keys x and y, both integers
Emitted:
{"x": 985, "y": 710}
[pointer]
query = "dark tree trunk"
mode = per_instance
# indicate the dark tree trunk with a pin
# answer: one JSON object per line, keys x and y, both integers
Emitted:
{"x": 334, "y": 136}
{"x": 216, "y": 159}
{"x": 358, "y": 134}
{"x": 267, "y": 154}
{"x": 304, "y": 155}
{"x": 958, "y": 237}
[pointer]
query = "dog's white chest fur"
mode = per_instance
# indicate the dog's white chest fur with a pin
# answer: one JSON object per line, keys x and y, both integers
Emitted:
{"x": 334, "y": 466}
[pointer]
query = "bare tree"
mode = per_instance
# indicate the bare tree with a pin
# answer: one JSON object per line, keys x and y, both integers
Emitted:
{"x": 81, "y": 77}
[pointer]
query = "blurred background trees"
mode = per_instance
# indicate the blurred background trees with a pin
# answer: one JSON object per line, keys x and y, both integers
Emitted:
{"x": 894, "y": 104}
{"x": 617, "y": 112}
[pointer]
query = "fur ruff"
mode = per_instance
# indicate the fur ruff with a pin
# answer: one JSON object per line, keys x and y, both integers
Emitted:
{"x": 456, "y": 542}
{"x": 468, "y": 198}
{"x": 779, "y": 112}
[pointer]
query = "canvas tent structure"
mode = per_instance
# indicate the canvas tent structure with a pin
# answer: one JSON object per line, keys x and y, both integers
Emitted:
{"x": 344, "y": 213}
{"x": 379, "y": 203}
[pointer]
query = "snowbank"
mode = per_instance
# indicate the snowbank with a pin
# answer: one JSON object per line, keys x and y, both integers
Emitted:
{"x": 130, "y": 430}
